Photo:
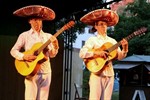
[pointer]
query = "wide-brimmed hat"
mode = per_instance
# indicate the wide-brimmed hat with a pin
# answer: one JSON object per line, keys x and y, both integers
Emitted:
{"x": 35, "y": 11}
{"x": 109, "y": 16}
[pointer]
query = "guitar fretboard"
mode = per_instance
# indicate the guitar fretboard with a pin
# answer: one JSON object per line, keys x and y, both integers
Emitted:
{"x": 49, "y": 41}
{"x": 65, "y": 27}
{"x": 136, "y": 33}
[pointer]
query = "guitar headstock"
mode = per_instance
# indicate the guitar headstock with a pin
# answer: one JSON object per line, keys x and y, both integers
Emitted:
{"x": 68, "y": 25}
{"x": 141, "y": 31}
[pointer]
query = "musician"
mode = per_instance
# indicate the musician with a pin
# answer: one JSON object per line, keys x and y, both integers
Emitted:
{"x": 36, "y": 86}
{"x": 101, "y": 83}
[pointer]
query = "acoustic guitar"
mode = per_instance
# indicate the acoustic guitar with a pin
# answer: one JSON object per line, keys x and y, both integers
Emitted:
{"x": 96, "y": 64}
{"x": 26, "y": 68}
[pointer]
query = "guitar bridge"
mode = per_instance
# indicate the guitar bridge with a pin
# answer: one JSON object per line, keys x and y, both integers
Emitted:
{"x": 27, "y": 64}
{"x": 95, "y": 61}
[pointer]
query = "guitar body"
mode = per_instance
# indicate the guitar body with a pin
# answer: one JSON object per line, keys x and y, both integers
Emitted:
{"x": 26, "y": 68}
{"x": 96, "y": 64}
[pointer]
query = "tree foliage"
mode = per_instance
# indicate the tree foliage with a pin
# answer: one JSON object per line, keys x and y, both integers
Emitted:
{"x": 134, "y": 17}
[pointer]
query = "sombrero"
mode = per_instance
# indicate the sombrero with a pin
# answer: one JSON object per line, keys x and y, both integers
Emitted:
{"x": 35, "y": 11}
{"x": 109, "y": 16}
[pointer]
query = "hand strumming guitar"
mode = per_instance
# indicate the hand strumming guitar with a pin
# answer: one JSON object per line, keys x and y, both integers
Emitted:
{"x": 29, "y": 57}
{"x": 102, "y": 54}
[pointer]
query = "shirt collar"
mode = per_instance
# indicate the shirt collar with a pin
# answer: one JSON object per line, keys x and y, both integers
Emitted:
{"x": 32, "y": 32}
{"x": 102, "y": 37}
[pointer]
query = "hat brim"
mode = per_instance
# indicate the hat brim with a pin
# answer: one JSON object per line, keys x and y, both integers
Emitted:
{"x": 109, "y": 16}
{"x": 39, "y": 11}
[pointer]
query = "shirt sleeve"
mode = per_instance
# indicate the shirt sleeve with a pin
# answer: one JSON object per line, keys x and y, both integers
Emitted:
{"x": 121, "y": 54}
{"x": 15, "y": 51}
{"x": 86, "y": 50}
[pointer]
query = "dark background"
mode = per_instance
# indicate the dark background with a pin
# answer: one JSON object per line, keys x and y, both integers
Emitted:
{"x": 12, "y": 25}
{"x": 62, "y": 8}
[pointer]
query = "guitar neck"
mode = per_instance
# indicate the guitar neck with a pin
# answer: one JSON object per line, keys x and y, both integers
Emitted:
{"x": 119, "y": 43}
{"x": 65, "y": 27}
{"x": 49, "y": 41}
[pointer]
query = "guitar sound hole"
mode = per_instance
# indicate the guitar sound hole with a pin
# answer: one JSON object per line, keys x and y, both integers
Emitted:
{"x": 106, "y": 62}
{"x": 106, "y": 50}
{"x": 36, "y": 53}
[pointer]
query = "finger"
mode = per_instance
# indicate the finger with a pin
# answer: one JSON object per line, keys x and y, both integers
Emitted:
{"x": 109, "y": 55}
